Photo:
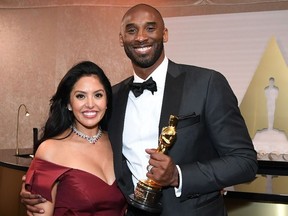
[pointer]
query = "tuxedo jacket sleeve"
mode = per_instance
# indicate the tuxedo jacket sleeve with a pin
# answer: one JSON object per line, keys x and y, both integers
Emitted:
{"x": 212, "y": 148}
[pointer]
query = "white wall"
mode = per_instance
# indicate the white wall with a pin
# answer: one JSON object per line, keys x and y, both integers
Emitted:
{"x": 232, "y": 44}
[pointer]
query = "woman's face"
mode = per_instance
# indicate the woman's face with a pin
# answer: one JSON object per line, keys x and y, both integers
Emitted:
{"x": 88, "y": 101}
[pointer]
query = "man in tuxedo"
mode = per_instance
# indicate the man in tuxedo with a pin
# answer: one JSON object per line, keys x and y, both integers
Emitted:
{"x": 212, "y": 150}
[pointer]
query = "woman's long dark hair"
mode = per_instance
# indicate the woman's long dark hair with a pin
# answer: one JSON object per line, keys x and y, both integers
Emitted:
{"x": 60, "y": 118}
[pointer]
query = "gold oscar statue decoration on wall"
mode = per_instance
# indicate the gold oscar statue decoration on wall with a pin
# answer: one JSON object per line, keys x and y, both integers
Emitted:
{"x": 148, "y": 193}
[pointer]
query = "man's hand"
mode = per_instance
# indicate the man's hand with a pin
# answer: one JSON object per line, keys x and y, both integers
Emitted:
{"x": 164, "y": 171}
{"x": 30, "y": 200}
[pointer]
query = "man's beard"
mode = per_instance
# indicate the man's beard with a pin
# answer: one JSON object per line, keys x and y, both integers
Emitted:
{"x": 144, "y": 61}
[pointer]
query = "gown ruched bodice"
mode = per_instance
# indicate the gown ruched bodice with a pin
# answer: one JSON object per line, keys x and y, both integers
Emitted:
{"x": 78, "y": 192}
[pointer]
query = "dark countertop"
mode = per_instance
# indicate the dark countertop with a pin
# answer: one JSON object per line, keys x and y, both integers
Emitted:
{"x": 257, "y": 197}
{"x": 273, "y": 167}
{"x": 9, "y": 160}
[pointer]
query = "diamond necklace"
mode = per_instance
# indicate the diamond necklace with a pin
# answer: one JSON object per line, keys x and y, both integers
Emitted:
{"x": 90, "y": 139}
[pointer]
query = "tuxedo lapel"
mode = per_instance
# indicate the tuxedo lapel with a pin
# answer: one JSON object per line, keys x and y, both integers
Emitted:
{"x": 119, "y": 108}
{"x": 172, "y": 94}
{"x": 115, "y": 131}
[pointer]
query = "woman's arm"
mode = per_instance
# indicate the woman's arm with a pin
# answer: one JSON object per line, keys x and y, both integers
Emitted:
{"x": 47, "y": 206}
{"x": 36, "y": 204}
{"x": 30, "y": 200}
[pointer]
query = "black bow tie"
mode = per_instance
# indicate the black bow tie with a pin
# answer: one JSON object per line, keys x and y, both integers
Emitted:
{"x": 138, "y": 88}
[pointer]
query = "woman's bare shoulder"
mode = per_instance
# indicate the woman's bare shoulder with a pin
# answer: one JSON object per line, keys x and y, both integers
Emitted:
{"x": 48, "y": 149}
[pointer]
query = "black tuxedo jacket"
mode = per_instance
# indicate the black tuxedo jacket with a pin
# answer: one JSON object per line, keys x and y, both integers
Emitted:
{"x": 213, "y": 147}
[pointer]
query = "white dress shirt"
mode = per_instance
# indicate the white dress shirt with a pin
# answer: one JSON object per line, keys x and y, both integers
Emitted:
{"x": 142, "y": 123}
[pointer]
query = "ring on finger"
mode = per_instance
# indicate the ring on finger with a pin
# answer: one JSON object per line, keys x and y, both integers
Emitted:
{"x": 149, "y": 168}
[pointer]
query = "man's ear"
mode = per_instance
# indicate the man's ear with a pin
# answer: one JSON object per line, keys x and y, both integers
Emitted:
{"x": 121, "y": 39}
{"x": 165, "y": 35}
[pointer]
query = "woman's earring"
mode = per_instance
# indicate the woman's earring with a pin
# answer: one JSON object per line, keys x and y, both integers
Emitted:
{"x": 69, "y": 107}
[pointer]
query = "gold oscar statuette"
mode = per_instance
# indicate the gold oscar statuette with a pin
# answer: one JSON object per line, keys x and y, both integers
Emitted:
{"x": 148, "y": 193}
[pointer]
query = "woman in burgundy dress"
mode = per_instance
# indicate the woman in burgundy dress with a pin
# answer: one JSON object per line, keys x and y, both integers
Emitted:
{"x": 73, "y": 164}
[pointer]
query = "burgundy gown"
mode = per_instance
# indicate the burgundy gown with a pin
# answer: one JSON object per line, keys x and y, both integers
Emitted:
{"x": 78, "y": 192}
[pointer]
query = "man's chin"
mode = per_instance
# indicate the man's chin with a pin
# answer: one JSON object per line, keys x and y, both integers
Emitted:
{"x": 143, "y": 65}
